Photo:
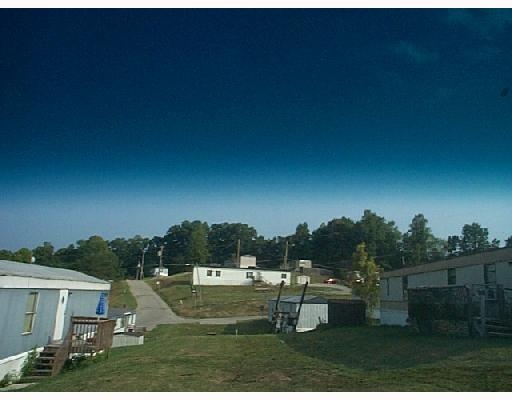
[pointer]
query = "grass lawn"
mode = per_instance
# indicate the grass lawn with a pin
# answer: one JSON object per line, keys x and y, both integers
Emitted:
{"x": 200, "y": 358}
{"x": 120, "y": 296}
{"x": 224, "y": 301}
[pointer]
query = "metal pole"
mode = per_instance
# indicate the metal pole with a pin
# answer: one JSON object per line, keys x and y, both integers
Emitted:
{"x": 238, "y": 253}
{"x": 160, "y": 265}
{"x": 285, "y": 263}
{"x": 483, "y": 312}
{"x": 142, "y": 266}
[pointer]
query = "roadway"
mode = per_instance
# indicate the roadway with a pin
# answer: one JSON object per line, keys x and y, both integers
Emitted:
{"x": 153, "y": 311}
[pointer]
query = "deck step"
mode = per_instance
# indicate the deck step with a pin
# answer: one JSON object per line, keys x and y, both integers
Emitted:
{"x": 38, "y": 372}
{"x": 47, "y": 353}
{"x": 44, "y": 358}
{"x": 32, "y": 378}
{"x": 500, "y": 334}
{"x": 498, "y": 328}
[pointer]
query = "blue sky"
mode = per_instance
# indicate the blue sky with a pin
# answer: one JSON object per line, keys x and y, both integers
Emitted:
{"x": 124, "y": 122}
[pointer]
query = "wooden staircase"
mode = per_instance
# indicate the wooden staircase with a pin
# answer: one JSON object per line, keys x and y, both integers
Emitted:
{"x": 99, "y": 334}
{"x": 492, "y": 327}
{"x": 499, "y": 328}
{"x": 49, "y": 363}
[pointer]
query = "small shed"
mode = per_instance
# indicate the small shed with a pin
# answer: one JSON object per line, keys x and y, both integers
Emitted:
{"x": 314, "y": 310}
{"x": 347, "y": 312}
{"x": 302, "y": 279}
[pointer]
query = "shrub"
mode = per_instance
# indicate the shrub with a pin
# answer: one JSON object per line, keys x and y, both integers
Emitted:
{"x": 29, "y": 363}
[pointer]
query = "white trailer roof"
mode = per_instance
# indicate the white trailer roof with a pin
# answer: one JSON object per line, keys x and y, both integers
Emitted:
{"x": 12, "y": 268}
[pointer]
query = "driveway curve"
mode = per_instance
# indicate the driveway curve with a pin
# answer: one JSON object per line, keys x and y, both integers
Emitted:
{"x": 153, "y": 311}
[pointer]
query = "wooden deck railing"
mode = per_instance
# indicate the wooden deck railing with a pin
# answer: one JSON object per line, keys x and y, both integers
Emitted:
{"x": 91, "y": 335}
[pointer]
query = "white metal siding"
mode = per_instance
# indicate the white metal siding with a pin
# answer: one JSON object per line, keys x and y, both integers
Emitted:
{"x": 470, "y": 275}
{"x": 302, "y": 279}
{"x": 312, "y": 315}
{"x": 395, "y": 289}
{"x": 236, "y": 276}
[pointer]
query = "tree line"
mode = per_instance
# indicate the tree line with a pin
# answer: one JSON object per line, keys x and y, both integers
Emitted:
{"x": 331, "y": 246}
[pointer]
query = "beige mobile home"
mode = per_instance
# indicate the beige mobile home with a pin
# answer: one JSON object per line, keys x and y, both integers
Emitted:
{"x": 489, "y": 268}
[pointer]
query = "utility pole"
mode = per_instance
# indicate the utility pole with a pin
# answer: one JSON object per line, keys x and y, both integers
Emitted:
{"x": 238, "y": 254}
{"x": 161, "y": 254}
{"x": 141, "y": 274}
{"x": 285, "y": 264}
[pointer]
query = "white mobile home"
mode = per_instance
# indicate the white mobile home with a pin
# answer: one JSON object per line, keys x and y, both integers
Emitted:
{"x": 160, "y": 272}
{"x": 492, "y": 267}
{"x": 247, "y": 261}
{"x": 301, "y": 264}
{"x": 36, "y": 305}
{"x": 314, "y": 310}
{"x": 218, "y": 276}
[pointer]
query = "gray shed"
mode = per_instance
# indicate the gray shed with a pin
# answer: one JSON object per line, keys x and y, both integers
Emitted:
{"x": 36, "y": 305}
{"x": 314, "y": 310}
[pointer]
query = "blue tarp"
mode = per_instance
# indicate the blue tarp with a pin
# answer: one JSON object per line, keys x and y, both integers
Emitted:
{"x": 100, "y": 308}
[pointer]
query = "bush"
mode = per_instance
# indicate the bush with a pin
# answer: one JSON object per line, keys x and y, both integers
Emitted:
{"x": 7, "y": 380}
{"x": 81, "y": 361}
{"x": 29, "y": 363}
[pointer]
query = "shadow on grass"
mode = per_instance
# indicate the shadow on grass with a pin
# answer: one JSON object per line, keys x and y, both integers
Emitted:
{"x": 254, "y": 327}
{"x": 375, "y": 348}
{"x": 166, "y": 332}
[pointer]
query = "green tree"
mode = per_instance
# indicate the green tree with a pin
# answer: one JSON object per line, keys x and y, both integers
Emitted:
{"x": 453, "y": 245}
{"x": 508, "y": 242}
{"x": 96, "y": 259}
{"x": 474, "y": 239}
{"x": 418, "y": 242}
{"x": 23, "y": 255}
{"x": 6, "y": 255}
{"x": 44, "y": 255}
{"x": 129, "y": 252}
{"x": 67, "y": 257}
{"x": 186, "y": 243}
{"x": 381, "y": 238}
{"x": 368, "y": 289}
{"x": 334, "y": 243}
{"x": 223, "y": 241}
{"x": 300, "y": 243}
{"x": 495, "y": 244}
{"x": 197, "y": 250}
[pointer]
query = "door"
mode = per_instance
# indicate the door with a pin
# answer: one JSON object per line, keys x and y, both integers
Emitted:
{"x": 60, "y": 316}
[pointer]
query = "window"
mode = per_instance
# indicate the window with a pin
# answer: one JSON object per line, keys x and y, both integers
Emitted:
{"x": 387, "y": 286}
{"x": 452, "y": 276}
{"x": 209, "y": 272}
{"x": 489, "y": 274}
{"x": 217, "y": 273}
{"x": 283, "y": 276}
{"x": 249, "y": 275}
{"x": 30, "y": 312}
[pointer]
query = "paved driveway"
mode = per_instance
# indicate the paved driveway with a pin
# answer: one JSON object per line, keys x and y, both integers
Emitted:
{"x": 153, "y": 311}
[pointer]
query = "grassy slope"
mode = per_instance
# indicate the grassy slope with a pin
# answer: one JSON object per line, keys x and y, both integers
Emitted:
{"x": 190, "y": 358}
{"x": 224, "y": 301}
{"x": 120, "y": 296}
